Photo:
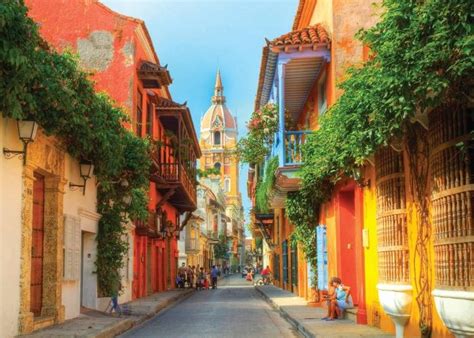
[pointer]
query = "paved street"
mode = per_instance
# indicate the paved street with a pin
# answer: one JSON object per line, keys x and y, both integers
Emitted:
{"x": 233, "y": 310}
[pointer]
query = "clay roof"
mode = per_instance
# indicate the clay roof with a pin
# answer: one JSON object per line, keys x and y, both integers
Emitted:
{"x": 154, "y": 75}
{"x": 313, "y": 37}
{"x": 167, "y": 105}
{"x": 162, "y": 102}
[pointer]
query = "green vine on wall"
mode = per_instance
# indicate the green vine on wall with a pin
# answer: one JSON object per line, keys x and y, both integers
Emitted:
{"x": 265, "y": 185}
{"x": 38, "y": 83}
{"x": 421, "y": 56}
{"x": 262, "y": 126}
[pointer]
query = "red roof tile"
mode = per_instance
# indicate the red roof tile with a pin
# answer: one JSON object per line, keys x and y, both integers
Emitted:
{"x": 162, "y": 102}
{"x": 307, "y": 37}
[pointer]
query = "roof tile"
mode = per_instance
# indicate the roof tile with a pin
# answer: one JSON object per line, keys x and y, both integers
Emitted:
{"x": 313, "y": 35}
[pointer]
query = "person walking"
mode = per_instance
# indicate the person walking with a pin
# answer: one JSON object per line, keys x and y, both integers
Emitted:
{"x": 214, "y": 274}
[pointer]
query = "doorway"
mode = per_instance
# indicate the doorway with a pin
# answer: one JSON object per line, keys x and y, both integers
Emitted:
{"x": 88, "y": 277}
{"x": 37, "y": 247}
{"x": 347, "y": 245}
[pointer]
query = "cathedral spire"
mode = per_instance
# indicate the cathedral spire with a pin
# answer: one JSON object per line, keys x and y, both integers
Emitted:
{"x": 218, "y": 97}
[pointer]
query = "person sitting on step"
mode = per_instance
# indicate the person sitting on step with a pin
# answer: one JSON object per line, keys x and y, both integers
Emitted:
{"x": 340, "y": 300}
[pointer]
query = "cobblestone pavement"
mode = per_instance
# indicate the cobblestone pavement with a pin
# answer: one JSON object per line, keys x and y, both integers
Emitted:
{"x": 234, "y": 309}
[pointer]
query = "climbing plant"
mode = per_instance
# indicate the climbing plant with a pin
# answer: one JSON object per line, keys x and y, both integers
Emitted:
{"x": 421, "y": 56}
{"x": 262, "y": 126}
{"x": 38, "y": 83}
{"x": 265, "y": 185}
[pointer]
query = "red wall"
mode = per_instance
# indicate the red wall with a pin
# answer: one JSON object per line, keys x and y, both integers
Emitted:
{"x": 347, "y": 254}
{"x": 64, "y": 24}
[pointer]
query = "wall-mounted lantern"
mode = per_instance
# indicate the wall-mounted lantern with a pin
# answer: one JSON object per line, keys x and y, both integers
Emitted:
{"x": 127, "y": 199}
{"x": 27, "y": 130}
{"x": 86, "y": 169}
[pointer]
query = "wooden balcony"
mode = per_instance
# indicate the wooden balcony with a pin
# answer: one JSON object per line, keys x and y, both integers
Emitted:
{"x": 174, "y": 159}
{"x": 147, "y": 228}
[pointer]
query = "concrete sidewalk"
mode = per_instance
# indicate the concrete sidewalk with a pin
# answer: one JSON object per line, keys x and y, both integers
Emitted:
{"x": 307, "y": 320}
{"x": 95, "y": 324}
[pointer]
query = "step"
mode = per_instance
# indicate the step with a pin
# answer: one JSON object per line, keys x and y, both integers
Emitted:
{"x": 351, "y": 314}
{"x": 42, "y": 322}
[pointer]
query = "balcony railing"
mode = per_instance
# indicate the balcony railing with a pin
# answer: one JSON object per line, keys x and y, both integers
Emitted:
{"x": 176, "y": 174}
{"x": 147, "y": 227}
{"x": 288, "y": 146}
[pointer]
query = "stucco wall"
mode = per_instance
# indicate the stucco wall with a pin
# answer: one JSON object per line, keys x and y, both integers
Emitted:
{"x": 103, "y": 41}
{"x": 83, "y": 207}
{"x": 10, "y": 228}
{"x": 323, "y": 14}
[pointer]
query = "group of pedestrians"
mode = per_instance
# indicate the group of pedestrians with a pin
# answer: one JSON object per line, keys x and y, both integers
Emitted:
{"x": 197, "y": 277}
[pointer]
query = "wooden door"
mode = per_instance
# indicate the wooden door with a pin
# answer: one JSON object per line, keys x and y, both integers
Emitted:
{"x": 37, "y": 247}
{"x": 347, "y": 245}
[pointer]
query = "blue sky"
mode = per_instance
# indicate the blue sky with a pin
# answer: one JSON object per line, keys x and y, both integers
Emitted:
{"x": 195, "y": 37}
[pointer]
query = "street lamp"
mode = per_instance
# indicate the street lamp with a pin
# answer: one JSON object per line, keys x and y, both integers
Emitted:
{"x": 27, "y": 130}
{"x": 127, "y": 199}
{"x": 86, "y": 168}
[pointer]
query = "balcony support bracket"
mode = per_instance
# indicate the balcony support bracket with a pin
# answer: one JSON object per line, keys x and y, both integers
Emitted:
{"x": 165, "y": 198}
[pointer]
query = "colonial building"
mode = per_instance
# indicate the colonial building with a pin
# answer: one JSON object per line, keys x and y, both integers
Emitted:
{"x": 202, "y": 234}
{"x": 368, "y": 230}
{"x": 218, "y": 142}
{"x": 118, "y": 51}
{"x": 51, "y": 225}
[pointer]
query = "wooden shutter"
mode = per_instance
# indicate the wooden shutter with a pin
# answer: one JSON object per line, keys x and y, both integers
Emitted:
{"x": 72, "y": 248}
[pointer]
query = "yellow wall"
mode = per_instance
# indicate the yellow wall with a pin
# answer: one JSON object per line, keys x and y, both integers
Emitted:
{"x": 375, "y": 313}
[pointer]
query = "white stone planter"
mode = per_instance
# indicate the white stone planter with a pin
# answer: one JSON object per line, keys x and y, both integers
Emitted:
{"x": 396, "y": 300}
{"x": 456, "y": 309}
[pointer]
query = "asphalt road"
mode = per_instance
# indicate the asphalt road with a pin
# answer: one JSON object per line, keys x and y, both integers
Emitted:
{"x": 234, "y": 309}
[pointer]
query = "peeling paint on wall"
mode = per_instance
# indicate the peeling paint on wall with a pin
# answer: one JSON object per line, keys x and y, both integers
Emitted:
{"x": 97, "y": 51}
{"x": 129, "y": 102}
{"x": 128, "y": 52}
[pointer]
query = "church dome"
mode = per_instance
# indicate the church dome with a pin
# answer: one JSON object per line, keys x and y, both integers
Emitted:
{"x": 218, "y": 116}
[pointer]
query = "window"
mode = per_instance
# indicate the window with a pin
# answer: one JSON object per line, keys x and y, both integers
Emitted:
{"x": 276, "y": 266}
{"x": 217, "y": 138}
{"x": 227, "y": 185}
{"x": 284, "y": 250}
{"x": 217, "y": 166}
{"x": 294, "y": 264}
{"x": 139, "y": 114}
{"x": 322, "y": 99}
{"x": 149, "y": 119}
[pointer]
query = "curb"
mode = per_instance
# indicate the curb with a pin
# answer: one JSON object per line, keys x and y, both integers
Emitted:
{"x": 128, "y": 324}
{"x": 295, "y": 323}
{"x": 115, "y": 329}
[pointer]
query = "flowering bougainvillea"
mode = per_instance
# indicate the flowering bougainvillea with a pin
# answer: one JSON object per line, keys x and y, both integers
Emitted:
{"x": 262, "y": 126}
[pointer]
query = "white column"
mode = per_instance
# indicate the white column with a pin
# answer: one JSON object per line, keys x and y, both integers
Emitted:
{"x": 281, "y": 109}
